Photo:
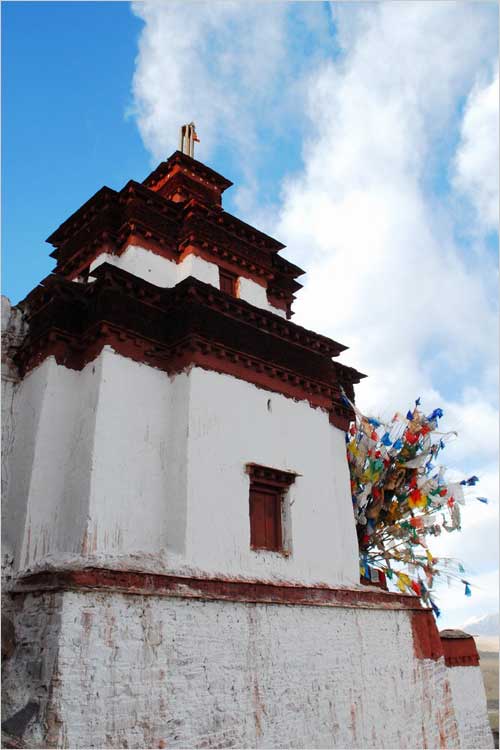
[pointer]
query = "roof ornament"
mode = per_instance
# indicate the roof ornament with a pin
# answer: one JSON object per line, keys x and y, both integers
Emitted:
{"x": 187, "y": 139}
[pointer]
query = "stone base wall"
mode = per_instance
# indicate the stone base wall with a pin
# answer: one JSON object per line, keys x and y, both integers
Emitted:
{"x": 469, "y": 700}
{"x": 108, "y": 669}
{"x": 29, "y": 668}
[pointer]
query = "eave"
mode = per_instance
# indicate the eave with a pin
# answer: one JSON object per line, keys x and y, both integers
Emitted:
{"x": 173, "y": 329}
{"x": 197, "y": 167}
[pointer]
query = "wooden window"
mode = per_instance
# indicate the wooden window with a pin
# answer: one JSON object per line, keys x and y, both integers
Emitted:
{"x": 227, "y": 282}
{"x": 266, "y": 530}
{"x": 268, "y": 488}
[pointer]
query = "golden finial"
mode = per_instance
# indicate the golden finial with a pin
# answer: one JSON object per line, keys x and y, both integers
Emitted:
{"x": 187, "y": 139}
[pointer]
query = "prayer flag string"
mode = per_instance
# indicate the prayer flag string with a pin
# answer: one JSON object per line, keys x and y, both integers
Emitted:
{"x": 401, "y": 499}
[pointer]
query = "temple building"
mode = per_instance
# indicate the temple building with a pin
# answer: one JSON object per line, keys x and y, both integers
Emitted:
{"x": 181, "y": 562}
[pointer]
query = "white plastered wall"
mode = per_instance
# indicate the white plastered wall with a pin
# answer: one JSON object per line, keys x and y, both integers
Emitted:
{"x": 142, "y": 263}
{"x": 169, "y": 488}
{"x": 89, "y": 475}
{"x": 233, "y": 423}
{"x": 166, "y": 273}
{"x": 469, "y": 700}
{"x": 121, "y": 465}
{"x": 51, "y": 462}
{"x": 256, "y": 295}
{"x": 12, "y": 513}
{"x": 166, "y": 672}
{"x": 133, "y": 475}
{"x": 20, "y": 421}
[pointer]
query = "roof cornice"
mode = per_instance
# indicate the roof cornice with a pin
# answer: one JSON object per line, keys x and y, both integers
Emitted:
{"x": 192, "y": 323}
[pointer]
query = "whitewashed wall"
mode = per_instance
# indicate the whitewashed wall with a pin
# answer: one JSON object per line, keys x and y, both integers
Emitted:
{"x": 28, "y": 673}
{"x": 469, "y": 700}
{"x": 12, "y": 518}
{"x": 121, "y": 465}
{"x": 166, "y": 273}
{"x": 256, "y": 295}
{"x": 130, "y": 484}
{"x": 83, "y": 461}
{"x": 50, "y": 463}
{"x": 137, "y": 672}
{"x": 169, "y": 488}
{"x": 142, "y": 263}
{"x": 233, "y": 423}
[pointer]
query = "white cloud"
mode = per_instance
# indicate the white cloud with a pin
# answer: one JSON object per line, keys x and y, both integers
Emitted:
{"x": 230, "y": 67}
{"x": 477, "y": 157}
{"x": 456, "y": 608}
{"x": 203, "y": 62}
{"x": 380, "y": 273}
{"x": 476, "y": 421}
{"x": 384, "y": 275}
{"x": 384, "y": 272}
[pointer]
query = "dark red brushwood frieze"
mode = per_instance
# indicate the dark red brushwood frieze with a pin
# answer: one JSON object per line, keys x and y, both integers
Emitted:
{"x": 269, "y": 475}
{"x": 180, "y": 163}
{"x": 426, "y": 641}
{"x": 192, "y": 323}
{"x": 217, "y": 588}
{"x": 180, "y": 166}
{"x": 172, "y": 214}
{"x": 459, "y": 649}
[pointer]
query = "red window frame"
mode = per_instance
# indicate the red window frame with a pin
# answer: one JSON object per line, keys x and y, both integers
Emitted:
{"x": 227, "y": 282}
{"x": 266, "y": 526}
{"x": 266, "y": 493}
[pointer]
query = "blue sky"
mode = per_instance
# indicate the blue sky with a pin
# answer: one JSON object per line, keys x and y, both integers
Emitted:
{"x": 67, "y": 70}
{"x": 68, "y": 128}
{"x": 364, "y": 136}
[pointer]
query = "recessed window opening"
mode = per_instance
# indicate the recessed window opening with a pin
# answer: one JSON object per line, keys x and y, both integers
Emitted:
{"x": 228, "y": 282}
{"x": 269, "y": 509}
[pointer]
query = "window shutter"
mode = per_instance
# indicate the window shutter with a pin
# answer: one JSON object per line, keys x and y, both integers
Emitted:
{"x": 267, "y": 490}
{"x": 227, "y": 282}
{"x": 265, "y": 518}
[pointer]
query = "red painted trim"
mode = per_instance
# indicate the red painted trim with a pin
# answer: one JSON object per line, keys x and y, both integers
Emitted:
{"x": 268, "y": 475}
{"x": 179, "y": 161}
{"x": 87, "y": 210}
{"x": 253, "y": 236}
{"x": 216, "y": 588}
{"x": 278, "y": 301}
{"x": 162, "y": 248}
{"x": 179, "y": 185}
{"x": 166, "y": 227}
{"x": 202, "y": 231}
{"x": 173, "y": 361}
{"x": 266, "y": 492}
{"x": 460, "y": 652}
{"x": 258, "y": 372}
{"x": 73, "y": 322}
{"x": 238, "y": 266}
{"x": 135, "y": 234}
{"x": 253, "y": 272}
{"x": 426, "y": 641}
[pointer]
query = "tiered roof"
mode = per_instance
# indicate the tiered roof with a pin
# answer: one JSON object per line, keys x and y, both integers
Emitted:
{"x": 175, "y": 211}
